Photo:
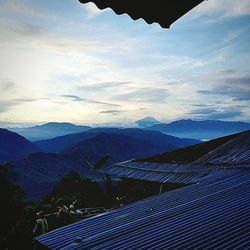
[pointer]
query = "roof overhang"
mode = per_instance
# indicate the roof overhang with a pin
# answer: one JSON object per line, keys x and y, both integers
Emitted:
{"x": 160, "y": 11}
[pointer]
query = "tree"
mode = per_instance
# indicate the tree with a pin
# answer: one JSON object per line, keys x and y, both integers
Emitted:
{"x": 72, "y": 187}
{"x": 12, "y": 203}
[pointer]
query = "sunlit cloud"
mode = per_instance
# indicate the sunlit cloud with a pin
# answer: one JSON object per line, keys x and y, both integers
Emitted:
{"x": 73, "y": 62}
{"x": 93, "y": 10}
{"x": 226, "y": 8}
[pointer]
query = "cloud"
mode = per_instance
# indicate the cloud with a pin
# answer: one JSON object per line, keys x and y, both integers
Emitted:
{"x": 216, "y": 114}
{"x": 92, "y": 10}
{"x": 227, "y": 71}
{"x": 102, "y": 85}
{"x": 76, "y": 98}
{"x": 25, "y": 100}
{"x": 6, "y": 105}
{"x": 203, "y": 111}
{"x": 111, "y": 111}
{"x": 237, "y": 87}
{"x": 236, "y": 93}
{"x": 9, "y": 96}
{"x": 243, "y": 81}
{"x": 147, "y": 94}
{"x": 224, "y": 8}
{"x": 201, "y": 105}
{"x": 50, "y": 38}
{"x": 6, "y": 85}
{"x": 26, "y": 8}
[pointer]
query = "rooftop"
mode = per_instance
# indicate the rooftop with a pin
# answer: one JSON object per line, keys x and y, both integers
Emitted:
{"x": 211, "y": 214}
{"x": 159, "y": 11}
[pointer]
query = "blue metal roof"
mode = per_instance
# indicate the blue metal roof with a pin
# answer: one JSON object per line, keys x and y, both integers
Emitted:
{"x": 164, "y": 172}
{"x": 234, "y": 152}
{"x": 213, "y": 214}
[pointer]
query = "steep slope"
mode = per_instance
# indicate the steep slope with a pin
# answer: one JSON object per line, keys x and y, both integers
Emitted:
{"x": 119, "y": 147}
{"x": 193, "y": 153}
{"x": 62, "y": 143}
{"x": 49, "y": 130}
{"x": 233, "y": 152}
{"x": 201, "y": 130}
{"x": 13, "y": 146}
{"x": 37, "y": 173}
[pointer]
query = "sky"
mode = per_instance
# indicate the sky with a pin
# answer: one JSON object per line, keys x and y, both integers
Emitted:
{"x": 65, "y": 61}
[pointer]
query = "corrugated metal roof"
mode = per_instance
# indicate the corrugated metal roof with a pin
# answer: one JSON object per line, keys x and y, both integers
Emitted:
{"x": 235, "y": 151}
{"x": 211, "y": 215}
{"x": 159, "y": 11}
{"x": 164, "y": 172}
{"x": 192, "y": 154}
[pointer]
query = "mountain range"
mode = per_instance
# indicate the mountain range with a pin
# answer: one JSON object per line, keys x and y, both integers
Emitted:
{"x": 40, "y": 164}
{"x": 62, "y": 143}
{"x": 201, "y": 130}
{"x": 38, "y": 172}
{"x": 49, "y": 130}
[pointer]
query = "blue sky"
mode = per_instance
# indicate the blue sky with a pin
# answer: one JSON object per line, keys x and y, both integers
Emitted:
{"x": 65, "y": 61}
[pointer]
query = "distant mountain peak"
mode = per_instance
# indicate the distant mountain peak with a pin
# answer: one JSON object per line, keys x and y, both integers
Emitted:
{"x": 56, "y": 125}
{"x": 147, "y": 122}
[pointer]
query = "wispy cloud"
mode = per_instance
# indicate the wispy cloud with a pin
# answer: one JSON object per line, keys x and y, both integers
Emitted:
{"x": 226, "y": 8}
{"x": 236, "y": 87}
{"x": 147, "y": 94}
{"x": 101, "y": 86}
{"x": 111, "y": 111}
{"x": 6, "y": 105}
{"x": 226, "y": 71}
{"x": 76, "y": 98}
{"x": 235, "y": 93}
{"x": 216, "y": 114}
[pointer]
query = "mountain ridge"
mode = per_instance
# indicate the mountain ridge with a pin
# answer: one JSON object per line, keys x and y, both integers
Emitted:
{"x": 61, "y": 143}
{"x": 49, "y": 130}
{"x": 200, "y": 129}
{"x": 14, "y": 146}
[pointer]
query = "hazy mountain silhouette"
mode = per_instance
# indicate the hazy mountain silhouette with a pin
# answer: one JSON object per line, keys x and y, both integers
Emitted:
{"x": 202, "y": 130}
{"x": 62, "y": 143}
{"x": 14, "y": 146}
{"x": 49, "y": 130}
